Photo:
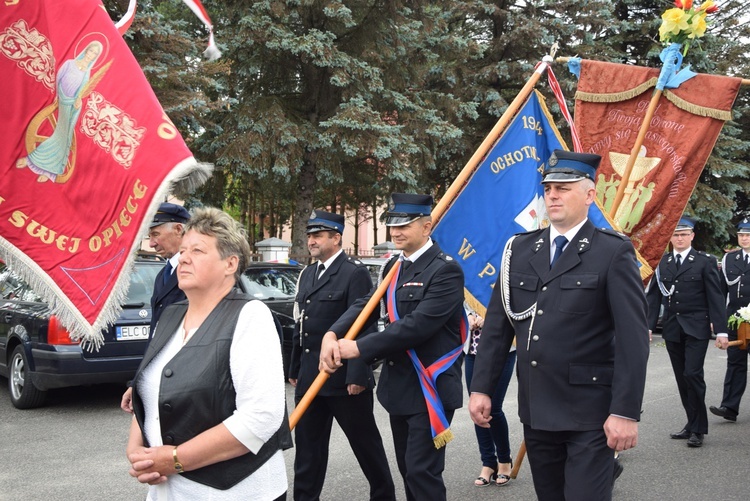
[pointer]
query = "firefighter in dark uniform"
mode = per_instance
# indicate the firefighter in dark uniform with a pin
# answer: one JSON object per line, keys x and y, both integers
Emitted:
{"x": 326, "y": 289}
{"x": 689, "y": 282}
{"x": 572, "y": 296}
{"x": 735, "y": 268}
{"x": 425, "y": 313}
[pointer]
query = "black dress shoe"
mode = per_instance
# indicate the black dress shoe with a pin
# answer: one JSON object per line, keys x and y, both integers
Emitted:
{"x": 722, "y": 411}
{"x": 680, "y": 435}
{"x": 695, "y": 440}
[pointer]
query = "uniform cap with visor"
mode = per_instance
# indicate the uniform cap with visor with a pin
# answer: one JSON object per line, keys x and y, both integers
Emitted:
{"x": 325, "y": 221}
{"x": 570, "y": 166}
{"x": 170, "y": 213}
{"x": 685, "y": 223}
{"x": 743, "y": 226}
{"x": 407, "y": 207}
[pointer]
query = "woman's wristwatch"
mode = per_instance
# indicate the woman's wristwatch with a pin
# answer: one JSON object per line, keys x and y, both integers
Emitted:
{"x": 177, "y": 465}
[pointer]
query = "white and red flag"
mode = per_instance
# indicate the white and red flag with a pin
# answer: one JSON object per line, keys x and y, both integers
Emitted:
{"x": 87, "y": 155}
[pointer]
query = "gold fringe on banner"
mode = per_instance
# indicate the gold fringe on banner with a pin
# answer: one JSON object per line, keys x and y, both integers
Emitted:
{"x": 697, "y": 110}
{"x": 616, "y": 97}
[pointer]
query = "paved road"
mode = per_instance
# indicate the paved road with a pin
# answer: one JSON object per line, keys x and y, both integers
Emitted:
{"x": 72, "y": 449}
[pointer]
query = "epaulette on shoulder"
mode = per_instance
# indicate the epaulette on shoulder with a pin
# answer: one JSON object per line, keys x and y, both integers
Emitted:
{"x": 611, "y": 232}
{"x": 354, "y": 260}
{"x": 530, "y": 232}
{"x": 706, "y": 255}
{"x": 445, "y": 257}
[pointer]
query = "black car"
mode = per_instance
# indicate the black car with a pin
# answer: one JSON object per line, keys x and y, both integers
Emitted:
{"x": 374, "y": 265}
{"x": 276, "y": 285}
{"x": 37, "y": 354}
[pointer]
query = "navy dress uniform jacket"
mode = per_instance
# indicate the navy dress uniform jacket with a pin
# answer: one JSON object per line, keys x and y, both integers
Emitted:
{"x": 696, "y": 300}
{"x": 587, "y": 355}
{"x": 429, "y": 300}
{"x": 738, "y": 294}
{"x": 320, "y": 304}
{"x": 164, "y": 294}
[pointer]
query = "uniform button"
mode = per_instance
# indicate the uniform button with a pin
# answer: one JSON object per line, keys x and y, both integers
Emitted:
{"x": 329, "y": 296}
{"x": 391, "y": 363}
{"x": 308, "y": 301}
{"x": 306, "y": 334}
{"x": 544, "y": 288}
{"x": 307, "y": 350}
{"x": 535, "y": 338}
{"x": 533, "y": 363}
{"x": 676, "y": 281}
{"x": 411, "y": 295}
{"x": 520, "y": 283}
{"x": 578, "y": 283}
{"x": 540, "y": 312}
{"x": 168, "y": 373}
{"x": 168, "y": 439}
{"x": 306, "y": 317}
{"x": 167, "y": 407}
{"x": 593, "y": 378}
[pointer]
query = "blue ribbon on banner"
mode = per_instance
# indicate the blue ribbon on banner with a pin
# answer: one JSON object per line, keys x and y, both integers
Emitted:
{"x": 671, "y": 59}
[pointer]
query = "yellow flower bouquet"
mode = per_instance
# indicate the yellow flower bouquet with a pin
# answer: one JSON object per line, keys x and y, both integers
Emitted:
{"x": 685, "y": 23}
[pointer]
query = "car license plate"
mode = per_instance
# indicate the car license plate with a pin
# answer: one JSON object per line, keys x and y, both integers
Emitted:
{"x": 132, "y": 333}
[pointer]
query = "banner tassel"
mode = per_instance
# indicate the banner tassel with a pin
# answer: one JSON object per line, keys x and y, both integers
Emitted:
{"x": 442, "y": 438}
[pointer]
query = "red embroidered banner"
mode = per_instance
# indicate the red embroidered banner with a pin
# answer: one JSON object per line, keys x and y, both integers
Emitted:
{"x": 611, "y": 102}
{"x": 87, "y": 155}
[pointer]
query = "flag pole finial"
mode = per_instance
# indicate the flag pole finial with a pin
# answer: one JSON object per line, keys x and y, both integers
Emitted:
{"x": 552, "y": 51}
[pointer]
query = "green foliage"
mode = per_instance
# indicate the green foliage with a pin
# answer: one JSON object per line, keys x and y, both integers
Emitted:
{"x": 330, "y": 103}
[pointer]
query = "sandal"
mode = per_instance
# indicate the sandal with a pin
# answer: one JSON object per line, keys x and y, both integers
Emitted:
{"x": 502, "y": 476}
{"x": 482, "y": 481}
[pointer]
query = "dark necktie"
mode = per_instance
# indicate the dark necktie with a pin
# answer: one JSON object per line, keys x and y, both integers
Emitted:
{"x": 678, "y": 260}
{"x": 405, "y": 264}
{"x": 560, "y": 242}
{"x": 167, "y": 272}
{"x": 747, "y": 259}
{"x": 319, "y": 271}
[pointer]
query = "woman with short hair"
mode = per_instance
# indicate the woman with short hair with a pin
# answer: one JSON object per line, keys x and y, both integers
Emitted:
{"x": 209, "y": 399}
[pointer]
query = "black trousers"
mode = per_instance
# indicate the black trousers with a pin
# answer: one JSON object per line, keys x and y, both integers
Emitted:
{"x": 354, "y": 414}
{"x": 570, "y": 465}
{"x": 687, "y": 359}
{"x": 735, "y": 379}
{"x": 421, "y": 465}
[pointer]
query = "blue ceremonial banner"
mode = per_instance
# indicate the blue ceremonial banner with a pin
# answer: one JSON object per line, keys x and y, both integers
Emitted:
{"x": 504, "y": 196}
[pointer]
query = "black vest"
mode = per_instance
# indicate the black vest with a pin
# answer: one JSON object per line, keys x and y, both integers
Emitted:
{"x": 196, "y": 390}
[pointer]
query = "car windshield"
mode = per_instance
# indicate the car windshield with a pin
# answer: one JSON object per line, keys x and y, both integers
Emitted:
{"x": 13, "y": 287}
{"x": 271, "y": 283}
{"x": 141, "y": 284}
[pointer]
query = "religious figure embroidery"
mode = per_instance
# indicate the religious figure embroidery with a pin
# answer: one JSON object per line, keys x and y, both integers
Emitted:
{"x": 51, "y": 157}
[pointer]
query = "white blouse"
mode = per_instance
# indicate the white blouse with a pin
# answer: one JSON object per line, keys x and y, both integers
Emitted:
{"x": 257, "y": 373}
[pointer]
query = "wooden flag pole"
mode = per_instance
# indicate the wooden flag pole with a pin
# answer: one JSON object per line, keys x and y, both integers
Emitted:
{"x": 489, "y": 141}
{"x": 635, "y": 151}
{"x": 519, "y": 460}
{"x": 352, "y": 333}
{"x": 436, "y": 214}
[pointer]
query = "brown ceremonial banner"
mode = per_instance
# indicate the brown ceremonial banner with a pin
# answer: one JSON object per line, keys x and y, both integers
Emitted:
{"x": 611, "y": 103}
